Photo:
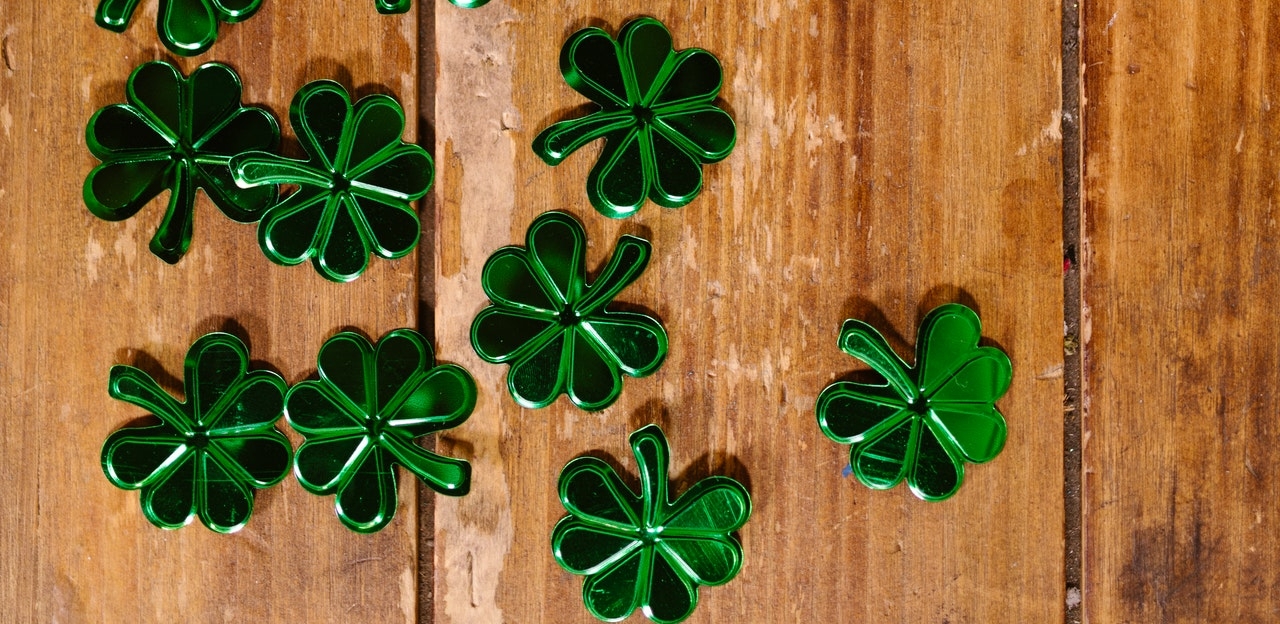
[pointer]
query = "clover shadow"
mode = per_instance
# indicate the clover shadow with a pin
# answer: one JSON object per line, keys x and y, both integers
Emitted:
{"x": 590, "y": 22}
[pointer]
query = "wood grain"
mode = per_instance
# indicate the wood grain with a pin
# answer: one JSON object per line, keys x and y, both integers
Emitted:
{"x": 1180, "y": 521}
{"x": 891, "y": 157}
{"x": 82, "y": 294}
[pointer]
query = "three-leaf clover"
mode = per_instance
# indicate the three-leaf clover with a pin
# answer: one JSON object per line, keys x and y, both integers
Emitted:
{"x": 187, "y": 27}
{"x": 552, "y": 326}
{"x": 362, "y": 416}
{"x": 208, "y": 454}
{"x": 179, "y": 134}
{"x": 642, "y": 550}
{"x": 657, "y": 116}
{"x": 925, "y": 422}
{"x": 355, "y": 192}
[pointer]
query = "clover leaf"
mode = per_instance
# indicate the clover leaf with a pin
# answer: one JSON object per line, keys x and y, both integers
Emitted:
{"x": 208, "y": 454}
{"x": 355, "y": 191}
{"x": 362, "y": 416}
{"x": 551, "y": 325}
{"x": 656, "y": 113}
{"x": 642, "y": 550}
{"x": 403, "y": 6}
{"x": 187, "y": 27}
{"x": 179, "y": 134}
{"x": 925, "y": 422}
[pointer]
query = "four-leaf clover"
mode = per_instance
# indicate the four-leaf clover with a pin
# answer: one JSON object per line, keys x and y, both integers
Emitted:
{"x": 208, "y": 454}
{"x": 177, "y": 134}
{"x": 643, "y": 550}
{"x": 925, "y": 422}
{"x": 361, "y": 419}
{"x": 657, "y": 116}
{"x": 551, "y": 325}
{"x": 187, "y": 27}
{"x": 355, "y": 191}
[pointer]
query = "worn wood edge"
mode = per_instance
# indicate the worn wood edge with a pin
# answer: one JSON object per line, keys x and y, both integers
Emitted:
{"x": 426, "y": 296}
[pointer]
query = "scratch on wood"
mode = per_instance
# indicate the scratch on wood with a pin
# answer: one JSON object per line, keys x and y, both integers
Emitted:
{"x": 5, "y": 54}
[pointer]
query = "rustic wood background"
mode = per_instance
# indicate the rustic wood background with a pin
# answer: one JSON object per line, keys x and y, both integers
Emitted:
{"x": 891, "y": 157}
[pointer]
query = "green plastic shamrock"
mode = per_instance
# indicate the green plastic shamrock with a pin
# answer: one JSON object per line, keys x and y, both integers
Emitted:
{"x": 177, "y": 134}
{"x": 209, "y": 453}
{"x": 362, "y": 416}
{"x": 355, "y": 192}
{"x": 644, "y": 551}
{"x": 657, "y": 115}
{"x": 187, "y": 27}
{"x": 552, "y": 326}
{"x": 402, "y": 6}
{"x": 928, "y": 420}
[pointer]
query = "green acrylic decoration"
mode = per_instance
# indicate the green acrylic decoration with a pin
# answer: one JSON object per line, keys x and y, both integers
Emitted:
{"x": 657, "y": 114}
{"x": 208, "y": 454}
{"x": 402, "y": 6}
{"x": 643, "y": 551}
{"x": 925, "y": 422}
{"x": 551, "y": 325}
{"x": 362, "y": 416}
{"x": 186, "y": 27}
{"x": 355, "y": 191}
{"x": 178, "y": 134}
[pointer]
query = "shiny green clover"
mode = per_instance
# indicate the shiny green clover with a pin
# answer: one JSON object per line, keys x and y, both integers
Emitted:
{"x": 925, "y": 422}
{"x": 208, "y": 454}
{"x": 179, "y": 134}
{"x": 186, "y": 27}
{"x": 657, "y": 115}
{"x": 402, "y": 6}
{"x": 362, "y": 416}
{"x": 552, "y": 326}
{"x": 644, "y": 551}
{"x": 355, "y": 192}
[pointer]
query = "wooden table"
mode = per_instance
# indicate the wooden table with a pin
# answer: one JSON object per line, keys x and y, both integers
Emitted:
{"x": 892, "y": 156}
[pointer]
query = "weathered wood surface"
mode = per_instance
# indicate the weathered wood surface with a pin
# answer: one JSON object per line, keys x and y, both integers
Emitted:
{"x": 1180, "y": 282}
{"x": 891, "y": 157}
{"x": 82, "y": 294}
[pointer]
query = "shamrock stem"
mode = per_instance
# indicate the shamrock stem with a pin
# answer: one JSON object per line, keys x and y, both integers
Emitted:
{"x": 865, "y": 343}
{"x": 259, "y": 168}
{"x": 445, "y": 475}
{"x": 138, "y": 388}
{"x": 560, "y": 140}
{"x": 629, "y": 260}
{"x": 652, "y": 455}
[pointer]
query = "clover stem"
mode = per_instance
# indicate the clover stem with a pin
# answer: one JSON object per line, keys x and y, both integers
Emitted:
{"x": 629, "y": 260}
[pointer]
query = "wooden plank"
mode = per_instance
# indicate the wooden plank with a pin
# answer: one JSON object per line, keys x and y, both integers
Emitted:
{"x": 1179, "y": 288}
{"x": 82, "y": 294}
{"x": 890, "y": 158}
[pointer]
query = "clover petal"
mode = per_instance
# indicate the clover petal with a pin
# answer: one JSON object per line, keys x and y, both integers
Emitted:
{"x": 210, "y": 452}
{"x": 636, "y": 342}
{"x": 656, "y": 115}
{"x": 695, "y": 77}
{"x": 176, "y": 133}
{"x": 619, "y": 182}
{"x": 935, "y": 474}
{"x": 137, "y": 456}
{"x": 186, "y": 27}
{"x": 928, "y": 420}
{"x": 677, "y": 175}
{"x": 362, "y": 416}
{"x": 552, "y": 326}
{"x": 359, "y": 170}
{"x": 585, "y": 549}
{"x": 171, "y": 502}
{"x": 225, "y": 501}
{"x": 642, "y": 551}
{"x": 367, "y": 501}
